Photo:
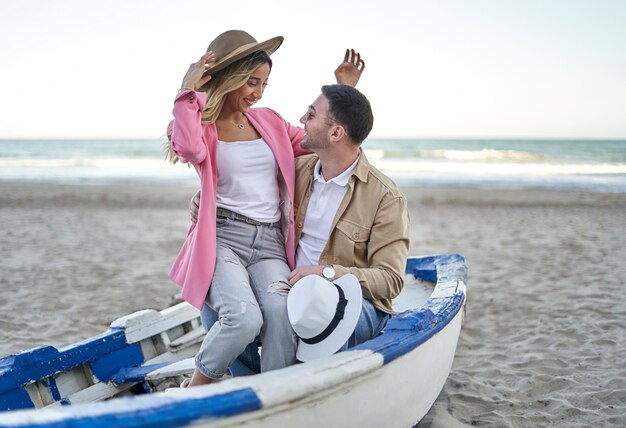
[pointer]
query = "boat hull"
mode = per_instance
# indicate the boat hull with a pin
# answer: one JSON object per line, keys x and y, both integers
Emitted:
{"x": 391, "y": 380}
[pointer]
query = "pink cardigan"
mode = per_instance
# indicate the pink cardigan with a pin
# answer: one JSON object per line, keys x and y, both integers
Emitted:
{"x": 196, "y": 143}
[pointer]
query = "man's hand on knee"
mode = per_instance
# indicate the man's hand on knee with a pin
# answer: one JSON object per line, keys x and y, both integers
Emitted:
{"x": 303, "y": 271}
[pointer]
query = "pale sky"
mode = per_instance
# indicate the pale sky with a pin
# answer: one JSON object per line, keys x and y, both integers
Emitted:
{"x": 434, "y": 69}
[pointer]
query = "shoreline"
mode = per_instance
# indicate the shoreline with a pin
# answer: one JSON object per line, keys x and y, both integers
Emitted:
{"x": 545, "y": 307}
{"x": 438, "y": 193}
{"x": 497, "y": 184}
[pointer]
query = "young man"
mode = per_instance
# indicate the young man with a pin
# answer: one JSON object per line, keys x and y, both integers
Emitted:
{"x": 350, "y": 218}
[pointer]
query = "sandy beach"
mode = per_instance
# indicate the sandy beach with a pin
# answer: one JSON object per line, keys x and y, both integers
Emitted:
{"x": 543, "y": 343}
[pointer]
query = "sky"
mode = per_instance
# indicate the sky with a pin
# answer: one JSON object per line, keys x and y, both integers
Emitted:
{"x": 434, "y": 69}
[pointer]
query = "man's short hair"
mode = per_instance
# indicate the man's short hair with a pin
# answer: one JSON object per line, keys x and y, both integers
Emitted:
{"x": 351, "y": 109}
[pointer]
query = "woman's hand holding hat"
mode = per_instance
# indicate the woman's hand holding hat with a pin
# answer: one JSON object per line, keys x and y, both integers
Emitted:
{"x": 349, "y": 71}
{"x": 195, "y": 76}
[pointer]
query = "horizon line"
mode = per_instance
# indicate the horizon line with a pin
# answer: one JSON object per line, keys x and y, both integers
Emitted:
{"x": 468, "y": 138}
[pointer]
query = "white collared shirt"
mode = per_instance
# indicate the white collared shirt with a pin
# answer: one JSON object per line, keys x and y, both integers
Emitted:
{"x": 326, "y": 196}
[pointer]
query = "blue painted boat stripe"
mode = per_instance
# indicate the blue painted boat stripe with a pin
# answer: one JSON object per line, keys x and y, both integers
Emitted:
{"x": 136, "y": 374}
{"x": 105, "y": 367}
{"x": 21, "y": 369}
{"x": 16, "y": 400}
{"x": 54, "y": 389}
{"x": 163, "y": 412}
{"x": 395, "y": 341}
{"x": 426, "y": 268}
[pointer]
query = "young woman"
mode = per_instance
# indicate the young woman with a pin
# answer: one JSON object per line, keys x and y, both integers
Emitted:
{"x": 243, "y": 241}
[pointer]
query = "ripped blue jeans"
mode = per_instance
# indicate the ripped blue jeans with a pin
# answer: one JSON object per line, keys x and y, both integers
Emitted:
{"x": 249, "y": 258}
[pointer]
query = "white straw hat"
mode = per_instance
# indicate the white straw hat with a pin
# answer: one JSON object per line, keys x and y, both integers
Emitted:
{"x": 323, "y": 314}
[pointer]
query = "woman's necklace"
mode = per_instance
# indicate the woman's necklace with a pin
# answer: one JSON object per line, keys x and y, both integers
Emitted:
{"x": 240, "y": 125}
{"x": 233, "y": 122}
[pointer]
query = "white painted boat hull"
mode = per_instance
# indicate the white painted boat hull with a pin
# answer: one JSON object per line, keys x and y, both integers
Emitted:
{"x": 389, "y": 381}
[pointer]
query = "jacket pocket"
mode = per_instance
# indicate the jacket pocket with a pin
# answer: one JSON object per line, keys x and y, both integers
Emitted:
{"x": 351, "y": 239}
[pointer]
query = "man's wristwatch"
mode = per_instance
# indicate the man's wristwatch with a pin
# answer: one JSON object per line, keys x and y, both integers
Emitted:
{"x": 328, "y": 272}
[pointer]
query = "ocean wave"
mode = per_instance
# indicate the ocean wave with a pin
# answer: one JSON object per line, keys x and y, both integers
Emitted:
{"x": 500, "y": 168}
{"x": 105, "y": 163}
{"x": 491, "y": 155}
{"x": 484, "y": 154}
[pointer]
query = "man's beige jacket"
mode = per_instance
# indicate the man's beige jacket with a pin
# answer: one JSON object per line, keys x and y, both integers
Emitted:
{"x": 370, "y": 233}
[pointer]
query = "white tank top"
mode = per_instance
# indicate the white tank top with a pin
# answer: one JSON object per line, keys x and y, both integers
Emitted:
{"x": 247, "y": 180}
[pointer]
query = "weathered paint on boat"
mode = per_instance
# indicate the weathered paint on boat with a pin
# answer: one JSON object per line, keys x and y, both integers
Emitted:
{"x": 391, "y": 380}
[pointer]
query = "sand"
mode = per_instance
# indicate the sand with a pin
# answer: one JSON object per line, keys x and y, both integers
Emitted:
{"x": 544, "y": 341}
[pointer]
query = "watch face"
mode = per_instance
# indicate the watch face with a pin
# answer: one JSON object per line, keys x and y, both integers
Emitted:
{"x": 328, "y": 272}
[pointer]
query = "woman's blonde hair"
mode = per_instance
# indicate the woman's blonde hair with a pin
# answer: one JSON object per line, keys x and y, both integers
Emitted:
{"x": 221, "y": 84}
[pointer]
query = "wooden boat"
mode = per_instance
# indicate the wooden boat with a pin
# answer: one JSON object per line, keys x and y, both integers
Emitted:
{"x": 113, "y": 379}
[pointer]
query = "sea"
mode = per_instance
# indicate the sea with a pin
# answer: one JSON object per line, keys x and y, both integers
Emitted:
{"x": 586, "y": 165}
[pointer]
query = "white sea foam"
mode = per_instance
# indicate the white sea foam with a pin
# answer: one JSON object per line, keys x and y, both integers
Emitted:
{"x": 105, "y": 163}
{"x": 498, "y": 169}
{"x": 484, "y": 154}
{"x": 374, "y": 154}
{"x": 97, "y": 171}
{"x": 492, "y": 155}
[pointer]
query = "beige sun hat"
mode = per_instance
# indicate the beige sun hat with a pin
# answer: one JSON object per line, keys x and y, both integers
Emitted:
{"x": 233, "y": 45}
